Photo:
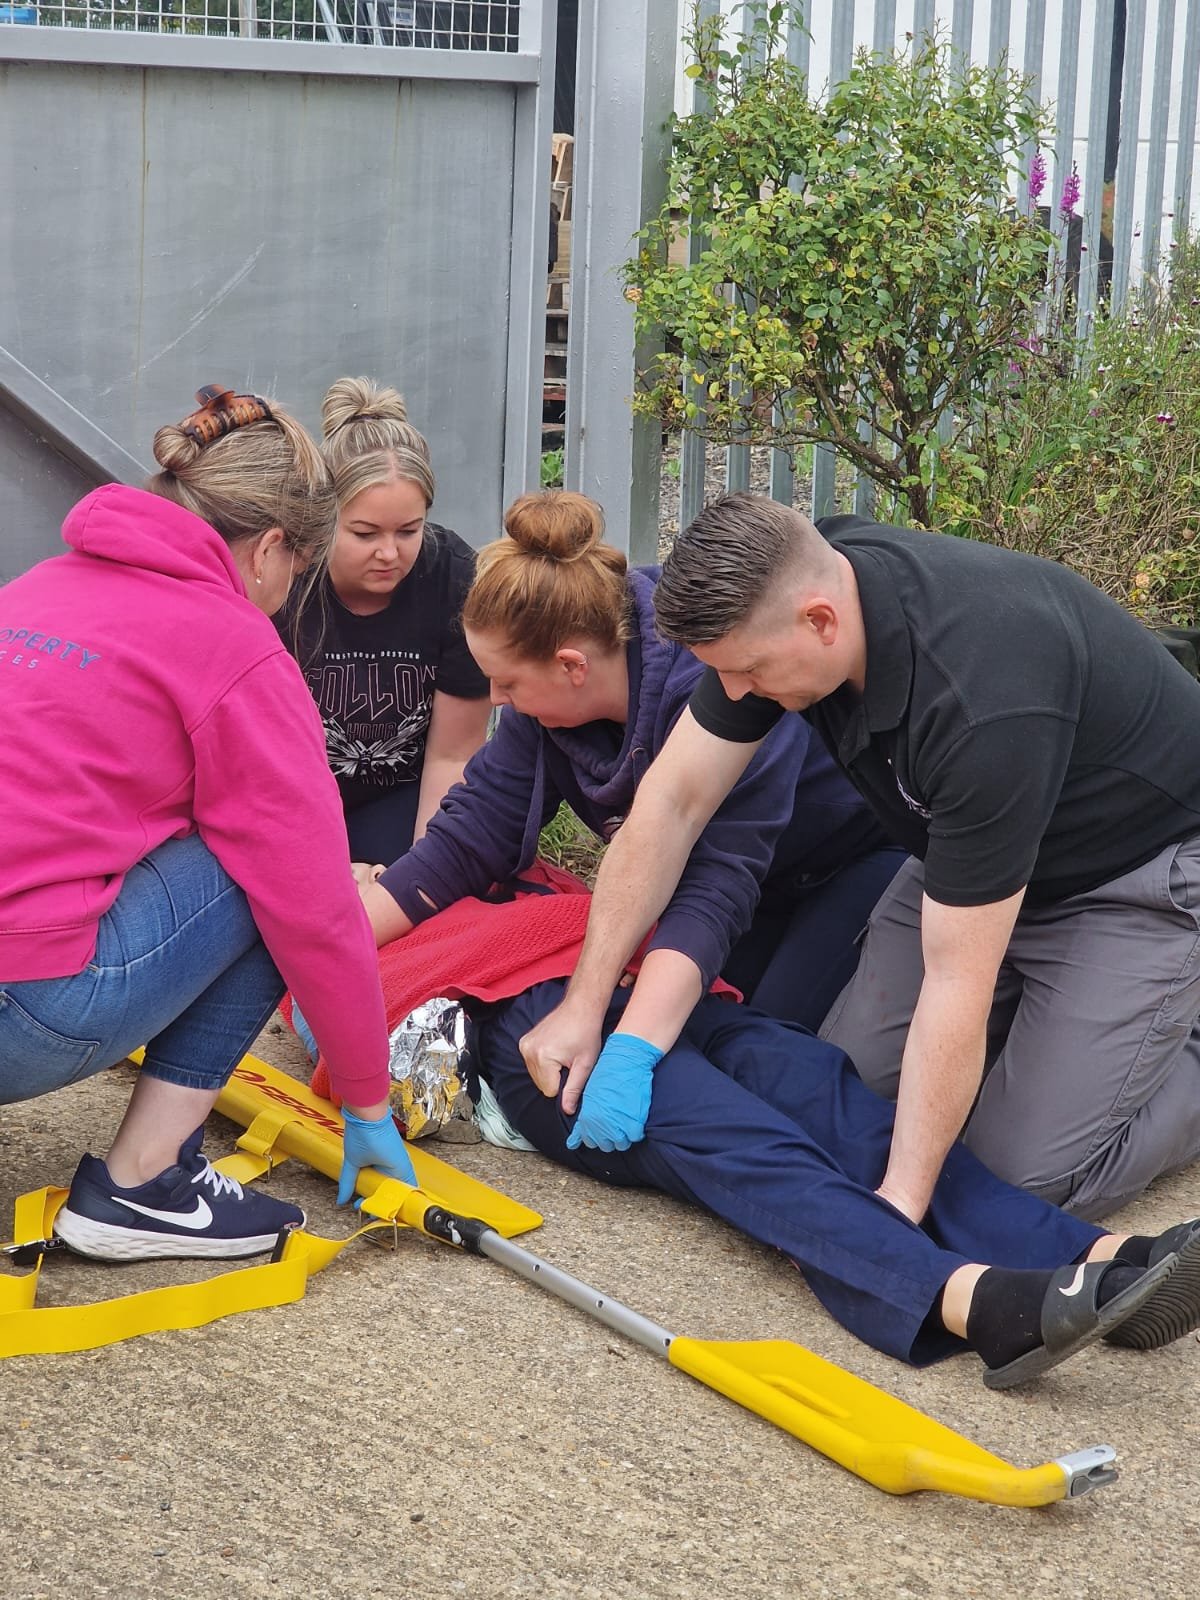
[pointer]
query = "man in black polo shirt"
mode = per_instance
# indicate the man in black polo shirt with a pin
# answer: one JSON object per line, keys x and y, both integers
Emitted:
{"x": 1034, "y": 972}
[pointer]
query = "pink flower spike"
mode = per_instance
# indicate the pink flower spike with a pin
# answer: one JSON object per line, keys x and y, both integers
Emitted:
{"x": 1070, "y": 194}
{"x": 1037, "y": 178}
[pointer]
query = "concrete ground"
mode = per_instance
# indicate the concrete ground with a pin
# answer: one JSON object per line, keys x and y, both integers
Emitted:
{"x": 427, "y": 1425}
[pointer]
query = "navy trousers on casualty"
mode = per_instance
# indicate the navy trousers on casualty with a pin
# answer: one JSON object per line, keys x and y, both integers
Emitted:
{"x": 771, "y": 1129}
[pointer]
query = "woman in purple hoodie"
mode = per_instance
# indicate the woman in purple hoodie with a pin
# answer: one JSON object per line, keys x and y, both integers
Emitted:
{"x": 173, "y": 839}
{"x": 783, "y": 878}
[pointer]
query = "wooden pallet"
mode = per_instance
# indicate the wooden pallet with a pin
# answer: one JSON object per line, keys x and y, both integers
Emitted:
{"x": 562, "y": 157}
{"x": 558, "y": 293}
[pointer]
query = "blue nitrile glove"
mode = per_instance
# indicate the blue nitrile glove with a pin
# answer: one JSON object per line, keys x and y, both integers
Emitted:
{"x": 616, "y": 1098}
{"x": 372, "y": 1144}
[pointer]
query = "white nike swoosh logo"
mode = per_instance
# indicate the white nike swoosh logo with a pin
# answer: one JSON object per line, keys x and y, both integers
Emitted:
{"x": 199, "y": 1218}
{"x": 1076, "y": 1282}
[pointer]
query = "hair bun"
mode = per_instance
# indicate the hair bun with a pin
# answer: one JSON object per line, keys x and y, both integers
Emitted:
{"x": 556, "y": 523}
{"x": 174, "y": 450}
{"x": 359, "y": 399}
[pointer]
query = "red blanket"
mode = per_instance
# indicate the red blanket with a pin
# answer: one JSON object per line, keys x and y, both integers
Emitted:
{"x": 491, "y": 952}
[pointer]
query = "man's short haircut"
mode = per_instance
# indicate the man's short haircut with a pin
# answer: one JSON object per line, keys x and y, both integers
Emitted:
{"x": 726, "y": 563}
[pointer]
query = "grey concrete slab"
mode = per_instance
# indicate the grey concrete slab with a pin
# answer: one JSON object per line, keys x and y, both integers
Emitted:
{"x": 425, "y": 1425}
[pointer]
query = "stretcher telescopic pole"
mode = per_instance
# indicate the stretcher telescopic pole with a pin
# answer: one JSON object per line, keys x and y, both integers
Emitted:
{"x": 871, "y": 1433}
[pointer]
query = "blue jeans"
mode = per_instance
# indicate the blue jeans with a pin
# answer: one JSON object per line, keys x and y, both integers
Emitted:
{"x": 179, "y": 967}
{"x": 772, "y": 1130}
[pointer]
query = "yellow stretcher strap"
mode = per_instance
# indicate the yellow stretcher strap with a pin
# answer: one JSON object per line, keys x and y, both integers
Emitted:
{"x": 28, "y": 1329}
{"x": 281, "y": 1116}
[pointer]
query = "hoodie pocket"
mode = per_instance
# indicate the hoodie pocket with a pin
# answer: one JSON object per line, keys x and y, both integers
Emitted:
{"x": 34, "y": 1058}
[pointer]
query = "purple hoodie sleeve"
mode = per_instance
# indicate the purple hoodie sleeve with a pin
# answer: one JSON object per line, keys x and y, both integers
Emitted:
{"x": 719, "y": 890}
{"x": 484, "y": 830}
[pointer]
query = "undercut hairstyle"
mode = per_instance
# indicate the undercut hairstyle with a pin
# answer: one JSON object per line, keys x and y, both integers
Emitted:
{"x": 551, "y": 579}
{"x": 728, "y": 562}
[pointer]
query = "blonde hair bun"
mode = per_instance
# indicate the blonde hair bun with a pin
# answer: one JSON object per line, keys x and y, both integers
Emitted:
{"x": 556, "y": 523}
{"x": 352, "y": 400}
{"x": 174, "y": 450}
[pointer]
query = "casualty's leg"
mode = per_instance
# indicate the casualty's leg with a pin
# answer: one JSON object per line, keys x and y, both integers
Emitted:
{"x": 817, "y": 947}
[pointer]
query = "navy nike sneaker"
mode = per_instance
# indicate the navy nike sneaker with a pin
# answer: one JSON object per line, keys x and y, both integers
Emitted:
{"x": 188, "y": 1210}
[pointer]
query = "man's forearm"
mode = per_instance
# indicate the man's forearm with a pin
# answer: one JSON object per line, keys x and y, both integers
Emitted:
{"x": 637, "y": 878}
{"x": 939, "y": 1077}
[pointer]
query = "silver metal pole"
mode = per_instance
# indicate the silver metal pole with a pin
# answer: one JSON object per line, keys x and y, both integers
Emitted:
{"x": 1131, "y": 111}
{"x": 1064, "y": 143}
{"x": 693, "y": 460}
{"x": 576, "y": 1293}
{"x": 961, "y": 23}
{"x": 329, "y": 22}
{"x": 1156, "y": 170}
{"x": 1031, "y": 67}
{"x": 824, "y": 497}
{"x": 782, "y": 466}
{"x": 883, "y": 38}
{"x": 624, "y": 93}
{"x": 1186, "y": 150}
{"x": 527, "y": 258}
{"x": 737, "y": 456}
{"x": 999, "y": 32}
{"x": 841, "y": 44}
{"x": 1093, "y": 177}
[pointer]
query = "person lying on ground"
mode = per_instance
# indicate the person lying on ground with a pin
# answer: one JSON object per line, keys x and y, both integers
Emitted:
{"x": 782, "y": 877}
{"x": 380, "y": 639}
{"x": 1031, "y": 973}
{"x": 770, "y": 1129}
{"x": 173, "y": 843}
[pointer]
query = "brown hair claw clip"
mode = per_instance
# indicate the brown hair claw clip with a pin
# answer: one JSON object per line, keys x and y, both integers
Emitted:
{"x": 221, "y": 411}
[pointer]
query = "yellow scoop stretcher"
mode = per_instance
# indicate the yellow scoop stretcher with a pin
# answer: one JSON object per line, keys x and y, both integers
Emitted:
{"x": 867, "y": 1431}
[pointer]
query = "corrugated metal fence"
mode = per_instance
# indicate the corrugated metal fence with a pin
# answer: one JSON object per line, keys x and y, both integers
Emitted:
{"x": 186, "y": 204}
{"x": 1122, "y": 77}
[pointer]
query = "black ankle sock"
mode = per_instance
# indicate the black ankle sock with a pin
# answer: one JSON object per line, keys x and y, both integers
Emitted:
{"x": 1005, "y": 1319}
{"x": 1135, "y": 1252}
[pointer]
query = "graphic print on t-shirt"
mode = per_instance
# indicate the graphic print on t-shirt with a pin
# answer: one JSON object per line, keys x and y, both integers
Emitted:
{"x": 375, "y": 705}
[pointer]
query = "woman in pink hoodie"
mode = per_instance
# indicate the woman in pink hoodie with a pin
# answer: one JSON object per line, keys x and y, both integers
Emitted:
{"x": 173, "y": 845}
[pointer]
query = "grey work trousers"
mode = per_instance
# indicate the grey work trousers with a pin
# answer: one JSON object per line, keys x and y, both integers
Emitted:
{"x": 1091, "y": 1083}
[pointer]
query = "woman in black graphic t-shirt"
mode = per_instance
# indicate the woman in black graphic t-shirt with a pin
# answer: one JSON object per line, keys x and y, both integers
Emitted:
{"x": 381, "y": 645}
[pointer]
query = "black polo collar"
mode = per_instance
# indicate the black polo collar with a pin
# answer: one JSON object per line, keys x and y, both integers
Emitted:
{"x": 889, "y": 652}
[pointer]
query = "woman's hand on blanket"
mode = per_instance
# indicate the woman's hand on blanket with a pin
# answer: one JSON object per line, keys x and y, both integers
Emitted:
{"x": 616, "y": 1101}
{"x": 372, "y": 1140}
{"x": 568, "y": 1037}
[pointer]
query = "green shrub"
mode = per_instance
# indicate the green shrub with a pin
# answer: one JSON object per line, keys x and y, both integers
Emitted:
{"x": 552, "y": 469}
{"x": 1090, "y": 454}
{"x": 864, "y": 273}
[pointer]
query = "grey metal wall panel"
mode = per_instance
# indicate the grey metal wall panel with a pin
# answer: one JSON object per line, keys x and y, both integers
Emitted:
{"x": 168, "y": 229}
{"x": 37, "y": 489}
